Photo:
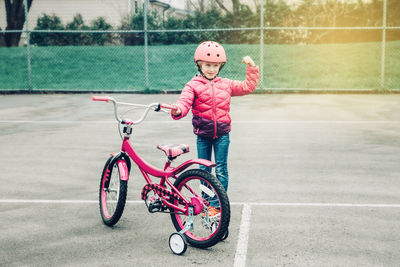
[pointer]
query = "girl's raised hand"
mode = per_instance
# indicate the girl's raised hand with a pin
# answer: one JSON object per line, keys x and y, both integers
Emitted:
{"x": 248, "y": 61}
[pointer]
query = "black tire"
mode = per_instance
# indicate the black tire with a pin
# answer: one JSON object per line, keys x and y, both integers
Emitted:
{"x": 225, "y": 236}
{"x": 111, "y": 213}
{"x": 205, "y": 233}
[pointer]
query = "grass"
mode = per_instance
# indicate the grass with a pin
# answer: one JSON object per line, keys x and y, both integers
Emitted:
{"x": 330, "y": 66}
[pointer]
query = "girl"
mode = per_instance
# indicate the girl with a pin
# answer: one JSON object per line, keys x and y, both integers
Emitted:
{"x": 209, "y": 97}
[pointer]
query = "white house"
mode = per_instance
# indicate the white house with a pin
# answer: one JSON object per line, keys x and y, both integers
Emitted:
{"x": 112, "y": 10}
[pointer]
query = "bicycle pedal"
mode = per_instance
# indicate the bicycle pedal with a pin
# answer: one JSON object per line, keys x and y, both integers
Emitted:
{"x": 155, "y": 206}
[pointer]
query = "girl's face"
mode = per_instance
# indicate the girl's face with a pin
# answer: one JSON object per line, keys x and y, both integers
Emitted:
{"x": 209, "y": 69}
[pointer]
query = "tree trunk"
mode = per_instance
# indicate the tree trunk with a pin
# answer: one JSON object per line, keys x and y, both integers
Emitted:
{"x": 235, "y": 6}
{"x": 12, "y": 39}
{"x": 2, "y": 39}
{"x": 222, "y": 6}
{"x": 15, "y": 12}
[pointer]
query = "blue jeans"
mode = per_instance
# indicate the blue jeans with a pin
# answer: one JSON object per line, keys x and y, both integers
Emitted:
{"x": 221, "y": 149}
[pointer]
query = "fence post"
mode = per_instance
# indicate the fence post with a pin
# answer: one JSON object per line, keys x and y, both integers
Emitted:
{"x": 146, "y": 51}
{"x": 383, "y": 45}
{"x": 261, "y": 86}
{"x": 28, "y": 45}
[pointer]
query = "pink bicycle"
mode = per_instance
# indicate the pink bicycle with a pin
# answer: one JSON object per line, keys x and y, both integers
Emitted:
{"x": 187, "y": 200}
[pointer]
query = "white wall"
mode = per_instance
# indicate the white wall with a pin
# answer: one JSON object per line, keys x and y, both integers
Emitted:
{"x": 112, "y": 10}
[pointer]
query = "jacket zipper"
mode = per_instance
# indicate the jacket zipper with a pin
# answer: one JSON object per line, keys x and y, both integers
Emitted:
{"x": 214, "y": 110}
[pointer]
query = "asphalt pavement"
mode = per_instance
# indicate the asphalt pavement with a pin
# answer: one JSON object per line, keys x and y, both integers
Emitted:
{"x": 314, "y": 181}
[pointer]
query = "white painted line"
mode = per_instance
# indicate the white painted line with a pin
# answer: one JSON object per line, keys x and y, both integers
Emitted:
{"x": 318, "y": 122}
{"x": 279, "y": 204}
{"x": 238, "y": 122}
{"x": 48, "y": 201}
{"x": 59, "y": 201}
{"x": 350, "y": 205}
{"x": 241, "y": 248}
{"x": 53, "y": 122}
{"x": 76, "y": 122}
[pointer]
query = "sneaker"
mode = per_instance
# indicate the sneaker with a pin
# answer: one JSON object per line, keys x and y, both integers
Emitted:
{"x": 212, "y": 212}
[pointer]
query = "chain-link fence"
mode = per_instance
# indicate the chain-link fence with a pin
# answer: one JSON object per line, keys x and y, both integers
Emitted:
{"x": 131, "y": 61}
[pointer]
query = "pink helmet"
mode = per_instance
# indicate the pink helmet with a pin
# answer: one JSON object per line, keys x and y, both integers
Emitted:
{"x": 210, "y": 51}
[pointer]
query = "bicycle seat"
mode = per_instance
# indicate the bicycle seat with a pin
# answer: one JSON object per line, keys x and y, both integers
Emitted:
{"x": 173, "y": 151}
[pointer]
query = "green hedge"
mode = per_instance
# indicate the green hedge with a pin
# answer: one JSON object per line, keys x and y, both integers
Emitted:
{"x": 53, "y": 22}
{"x": 276, "y": 13}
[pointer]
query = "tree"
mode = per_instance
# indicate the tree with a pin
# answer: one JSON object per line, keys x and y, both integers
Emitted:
{"x": 198, "y": 5}
{"x": 235, "y": 6}
{"x": 15, "y": 12}
{"x": 48, "y": 22}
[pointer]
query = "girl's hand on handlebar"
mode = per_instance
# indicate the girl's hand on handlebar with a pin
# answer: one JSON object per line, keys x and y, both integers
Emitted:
{"x": 247, "y": 60}
{"x": 175, "y": 111}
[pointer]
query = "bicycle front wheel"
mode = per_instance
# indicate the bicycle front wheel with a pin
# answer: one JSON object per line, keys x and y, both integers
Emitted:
{"x": 112, "y": 194}
{"x": 208, "y": 227}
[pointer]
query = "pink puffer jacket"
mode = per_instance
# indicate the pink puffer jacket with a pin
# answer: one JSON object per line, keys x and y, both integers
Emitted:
{"x": 210, "y": 102}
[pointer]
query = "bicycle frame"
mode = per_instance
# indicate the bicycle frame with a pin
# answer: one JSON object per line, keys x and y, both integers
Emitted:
{"x": 168, "y": 171}
{"x": 145, "y": 168}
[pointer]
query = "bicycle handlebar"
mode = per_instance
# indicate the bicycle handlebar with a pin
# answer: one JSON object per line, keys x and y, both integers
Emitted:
{"x": 167, "y": 106}
{"x": 101, "y": 98}
{"x": 155, "y": 106}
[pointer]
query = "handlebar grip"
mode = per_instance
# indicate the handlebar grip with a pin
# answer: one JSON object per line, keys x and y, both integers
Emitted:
{"x": 167, "y": 106}
{"x": 101, "y": 98}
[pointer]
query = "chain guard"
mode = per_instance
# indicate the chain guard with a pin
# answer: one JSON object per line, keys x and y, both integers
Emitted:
{"x": 161, "y": 192}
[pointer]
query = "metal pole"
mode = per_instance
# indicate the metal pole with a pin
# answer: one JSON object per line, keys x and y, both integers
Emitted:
{"x": 261, "y": 86}
{"x": 146, "y": 49}
{"x": 28, "y": 45}
{"x": 383, "y": 45}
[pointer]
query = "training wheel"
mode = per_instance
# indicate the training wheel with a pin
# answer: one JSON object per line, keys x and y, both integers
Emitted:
{"x": 177, "y": 243}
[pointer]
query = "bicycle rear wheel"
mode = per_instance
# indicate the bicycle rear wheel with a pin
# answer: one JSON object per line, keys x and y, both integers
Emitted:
{"x": 207, "y": 230}
{"x": 112, "y": 194}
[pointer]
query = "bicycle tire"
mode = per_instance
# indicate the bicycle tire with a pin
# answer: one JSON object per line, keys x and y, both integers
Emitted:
{"x": 202, "y": 237}
{"x": 111, "y": 213}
